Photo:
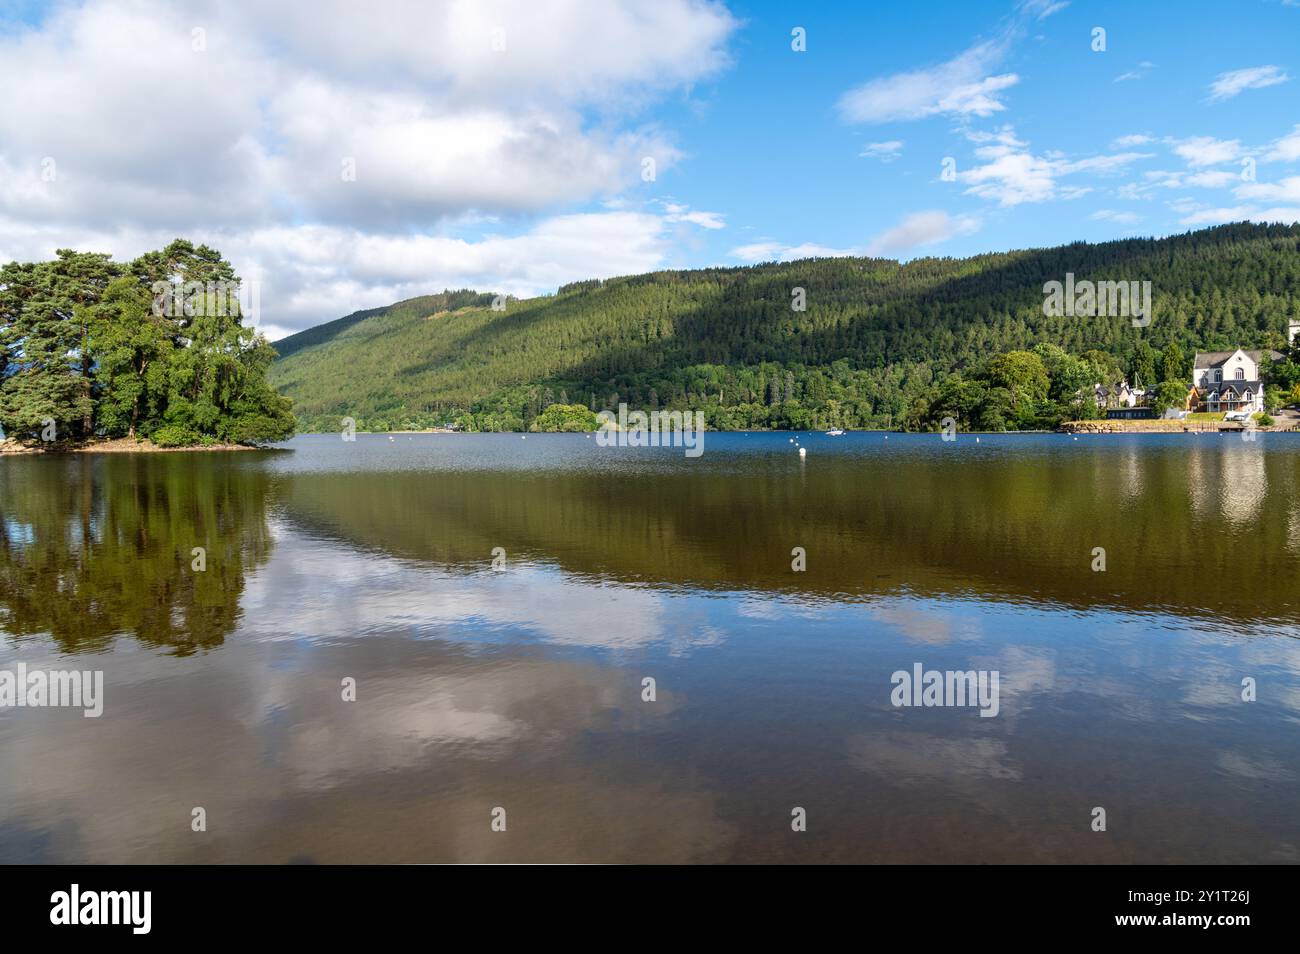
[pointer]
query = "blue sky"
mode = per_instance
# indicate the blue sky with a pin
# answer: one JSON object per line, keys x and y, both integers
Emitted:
{"x": 500, "y": 144}
{"x": 770, "y": 149}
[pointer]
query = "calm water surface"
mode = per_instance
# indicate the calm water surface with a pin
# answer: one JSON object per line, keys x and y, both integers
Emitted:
{"x": 522, "y": 687}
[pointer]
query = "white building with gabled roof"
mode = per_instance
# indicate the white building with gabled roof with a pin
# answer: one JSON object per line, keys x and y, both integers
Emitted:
{"x": 1230, "y": 380}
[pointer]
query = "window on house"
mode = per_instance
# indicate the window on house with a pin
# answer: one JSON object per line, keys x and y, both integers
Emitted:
{"x": 1241, "y": 374}
{"x": 1218, "y": 375}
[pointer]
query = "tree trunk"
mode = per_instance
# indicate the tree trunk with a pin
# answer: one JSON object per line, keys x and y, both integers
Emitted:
{"x": 88, "y": 421}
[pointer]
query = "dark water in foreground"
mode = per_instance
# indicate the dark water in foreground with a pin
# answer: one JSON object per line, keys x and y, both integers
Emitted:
{"x": 521, "y": 688}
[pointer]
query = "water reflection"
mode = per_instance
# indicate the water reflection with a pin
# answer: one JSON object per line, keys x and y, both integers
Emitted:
{"x": 96, "y": 547}
{"x": 1012, "y": 525}
{"x": 522, "y": 687}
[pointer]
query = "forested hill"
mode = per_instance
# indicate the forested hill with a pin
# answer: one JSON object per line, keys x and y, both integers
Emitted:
{"x": 403, "y": 310}
{"x": 875, "y": 334}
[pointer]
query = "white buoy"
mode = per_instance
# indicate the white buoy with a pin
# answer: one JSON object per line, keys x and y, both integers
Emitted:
{"x": 803, "y": 452}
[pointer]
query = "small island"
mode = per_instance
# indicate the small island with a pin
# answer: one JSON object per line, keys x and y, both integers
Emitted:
{"x": 98, "y": 356}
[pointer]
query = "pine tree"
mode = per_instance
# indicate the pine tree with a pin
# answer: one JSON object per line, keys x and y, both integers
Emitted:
{"x": 46, "y": 327}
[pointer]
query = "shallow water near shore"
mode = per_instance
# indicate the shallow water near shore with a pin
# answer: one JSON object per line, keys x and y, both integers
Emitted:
{"x": 522, "y": 686}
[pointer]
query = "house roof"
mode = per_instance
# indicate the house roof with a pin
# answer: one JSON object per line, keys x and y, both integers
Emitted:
{"x": 1212, "y": 359}
{"x": 1235, "y": 387}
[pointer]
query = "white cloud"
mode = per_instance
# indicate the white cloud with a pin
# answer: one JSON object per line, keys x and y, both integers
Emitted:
{"x": 676, "y": 212}
{"x": 1012, "y": 175}
{"x": 1284, "y": 191}
{"x": 147, "y": 131}
{"x": 813, "y": 250}
{"x": 1286, "y": 149}
{"x": 1135, "y": 74}
{"x": 757, "y": 252}
{"x": 972, "y": 83}
{"x": 1120, "y": 218}
{"x": 989, "y": 142}
{"x": 919, "y": 230}
{"x": 1012, "y": 179}
{"x": 1209, "y": 179}
{"x": 1202, "y": 216}
{"x": 1229, "y": 84}
{"x": 1042, "y": 9}
{"x": 314, "y": 273}
{"x": 779, "y": 252}
{"x": 1102, "y": 164}
{"x": 548, "y": 51}
{"x": 1206, "y": 150}
{"x": 1212, "y": 179}
{"x": 1132, "y": 191}
{"x": 1127, "y": 142}
{"x": 963, "y": 86}
{"x": 884, "y": 151}
{"x": 242, "y": 144}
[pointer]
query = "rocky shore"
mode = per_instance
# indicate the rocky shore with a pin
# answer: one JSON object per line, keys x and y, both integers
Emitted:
{"x": 1151, "y": 427}
{"x": 117, "y": 445}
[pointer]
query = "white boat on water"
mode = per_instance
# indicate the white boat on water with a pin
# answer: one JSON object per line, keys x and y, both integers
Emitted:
{"x": 834, "y": 432}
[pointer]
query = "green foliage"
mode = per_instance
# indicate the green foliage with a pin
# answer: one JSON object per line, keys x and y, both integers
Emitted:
{"x": 876, "y": 338}
{"x": 1170, "y": 394}
{"x": 1142, "y": 366}
{"x": 1172, "y": 364}
{"x": 1022, "y": 374}
{"x": 45, "y": 322}
{"x": 1020, "y": 390}
{"x": 156, "y": 348}
{"x": 177, "y": 435}
{"x": 133, "y": 350}
{"x": 566, "y": 417}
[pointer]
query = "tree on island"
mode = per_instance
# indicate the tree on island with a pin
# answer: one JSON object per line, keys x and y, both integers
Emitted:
{"x": 156, "y": 348}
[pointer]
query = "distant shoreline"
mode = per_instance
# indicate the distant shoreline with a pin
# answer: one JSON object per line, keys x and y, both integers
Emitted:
{"x": 767, "y": 430}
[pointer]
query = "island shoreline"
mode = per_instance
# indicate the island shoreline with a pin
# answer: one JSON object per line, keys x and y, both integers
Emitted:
{"x": 116, "y": 445}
